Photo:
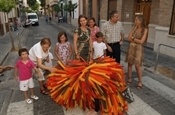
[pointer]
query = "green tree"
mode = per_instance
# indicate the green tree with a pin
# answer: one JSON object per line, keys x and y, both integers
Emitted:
{"x": 35, "y": 7}
{"x": 43, "y": 5}
{"x": 6, "y": 6}
{"x": 26, "y": 9}
{"x": 31, "y": 2}
{"x": 70, "y": 8}
{"x": 57, "y": 8}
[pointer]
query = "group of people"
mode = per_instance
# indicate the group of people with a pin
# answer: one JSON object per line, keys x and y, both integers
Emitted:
{"x": 89, "y": 43}
{"x": 48, "y": 18}
{"x": 13, "y": 25}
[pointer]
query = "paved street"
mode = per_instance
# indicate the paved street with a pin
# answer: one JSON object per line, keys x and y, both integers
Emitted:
{"x": 156, "y": 98}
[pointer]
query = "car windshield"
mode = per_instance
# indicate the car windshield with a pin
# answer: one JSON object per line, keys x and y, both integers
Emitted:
{"x": 32, "y": 16}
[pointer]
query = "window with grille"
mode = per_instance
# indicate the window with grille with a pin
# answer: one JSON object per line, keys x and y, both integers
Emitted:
{"x": 172, "y": 25}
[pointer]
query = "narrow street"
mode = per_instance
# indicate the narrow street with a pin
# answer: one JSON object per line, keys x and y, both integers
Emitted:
{"x": 157, "y": 97}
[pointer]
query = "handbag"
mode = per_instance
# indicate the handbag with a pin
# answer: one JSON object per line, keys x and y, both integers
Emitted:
{"x": 128, "y": 95}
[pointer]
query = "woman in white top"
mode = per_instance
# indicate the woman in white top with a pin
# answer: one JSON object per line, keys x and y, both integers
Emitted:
{"x": 39, "y": 53}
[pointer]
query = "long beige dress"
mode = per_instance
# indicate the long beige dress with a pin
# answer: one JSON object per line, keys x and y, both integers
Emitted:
{"x": 135, "y": 50}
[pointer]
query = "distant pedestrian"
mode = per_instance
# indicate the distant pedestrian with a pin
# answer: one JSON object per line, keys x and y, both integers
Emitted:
{"x": 99, "y": 47}
{"x": 38, "y": 53}
{"x": 50, "y": 18}
{"x": 93, "y": 27}
{"x": 23, "y": 73}
{"x": 113, "y": 34}
{"x": 137, "y": 37}
{"x": 46, "y": 18}
{"x": 16, "y": 24}
{"x": 63, "y": 49}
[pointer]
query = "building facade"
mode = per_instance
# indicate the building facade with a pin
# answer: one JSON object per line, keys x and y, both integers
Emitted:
{"x": 50, "y": 9}
{"x": 159, "y": 16}
{"x": 4, "y": 18}
{"x": 12, "y": 15}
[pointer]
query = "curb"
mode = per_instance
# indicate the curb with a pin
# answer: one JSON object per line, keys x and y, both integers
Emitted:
{"x": 4, "y": 58}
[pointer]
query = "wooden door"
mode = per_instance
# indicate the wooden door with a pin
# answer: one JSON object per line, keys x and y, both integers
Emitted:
{"x": 112, "y": 5}
{"x": 143, "y": 8}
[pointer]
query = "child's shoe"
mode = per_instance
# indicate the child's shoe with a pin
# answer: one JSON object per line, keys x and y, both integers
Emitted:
{"x": 34, "y": 97}
{"x": 28, "y": 101}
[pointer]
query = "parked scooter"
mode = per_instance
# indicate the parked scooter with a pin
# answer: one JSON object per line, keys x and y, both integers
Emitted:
{"x": 60, "y": 19}
{"x": 27, "y": 23}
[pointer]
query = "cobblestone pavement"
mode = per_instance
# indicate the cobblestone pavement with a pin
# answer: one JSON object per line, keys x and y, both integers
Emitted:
{"x": 156, "y": 98}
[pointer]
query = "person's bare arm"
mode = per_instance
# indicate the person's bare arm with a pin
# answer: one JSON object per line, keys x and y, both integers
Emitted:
{"x": 142, "y": 40}
{"x": 16, "y": 73}
{"x": 104, "y": 52}
{"x": 108, "y": 47}
{"x": 70, "y": 51}
{"x": 104, "y": 30}
{"x": 130, "y": 37}
{"x": 38, "y": 72}
{"x": 75, "y": 46}
{"x": 122, "y": 37}
{"x": 42, "y": 66}
{"x": 56, "y": 52}
{"x": 90, "y": 48}
{"x": 5, "y": 68}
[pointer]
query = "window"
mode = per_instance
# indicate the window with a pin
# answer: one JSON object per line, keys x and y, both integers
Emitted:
{"x": 172, "y": 25}
{"x": 32, "y": 16}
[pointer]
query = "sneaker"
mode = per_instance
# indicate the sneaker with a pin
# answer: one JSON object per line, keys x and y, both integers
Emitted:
{"x": 35, "y": 97}
{"x": 28, "y": 101}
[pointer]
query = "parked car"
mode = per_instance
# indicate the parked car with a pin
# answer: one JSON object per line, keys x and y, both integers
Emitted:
{"x": 33, "y": 18}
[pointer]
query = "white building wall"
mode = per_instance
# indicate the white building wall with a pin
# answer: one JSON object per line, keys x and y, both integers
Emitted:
{"x": 25, "y": 3}
{"x": 76, "y": 13}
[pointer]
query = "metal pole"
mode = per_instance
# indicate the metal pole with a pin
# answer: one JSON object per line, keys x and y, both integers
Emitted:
{"x": 158, "y": 51}
{"x": 157, "y": 57}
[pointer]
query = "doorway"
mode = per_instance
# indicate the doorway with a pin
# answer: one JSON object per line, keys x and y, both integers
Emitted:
{"x": 143, "y": 7}
{"x": 112, "y": 5}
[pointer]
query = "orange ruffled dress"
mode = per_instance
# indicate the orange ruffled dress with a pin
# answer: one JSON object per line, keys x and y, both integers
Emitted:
{"x": 80, "y": 83}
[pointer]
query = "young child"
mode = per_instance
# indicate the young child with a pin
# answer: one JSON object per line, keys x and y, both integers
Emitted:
{"x": 23, "y": 73}
{"x": 99, "y": 48}
{"x": 63, "y": 48}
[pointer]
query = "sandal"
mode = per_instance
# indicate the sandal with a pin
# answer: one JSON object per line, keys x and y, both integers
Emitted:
{"x": 44, "y": 92}
{"x": 139, "y": 85}
{"x": 28, "y": 101}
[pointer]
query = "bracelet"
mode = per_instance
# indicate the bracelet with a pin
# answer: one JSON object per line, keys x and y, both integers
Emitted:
{"x": 133, "y": 38}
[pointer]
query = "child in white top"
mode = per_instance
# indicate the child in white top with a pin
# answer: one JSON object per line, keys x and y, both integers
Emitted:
{"x": 99, "y": 47}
